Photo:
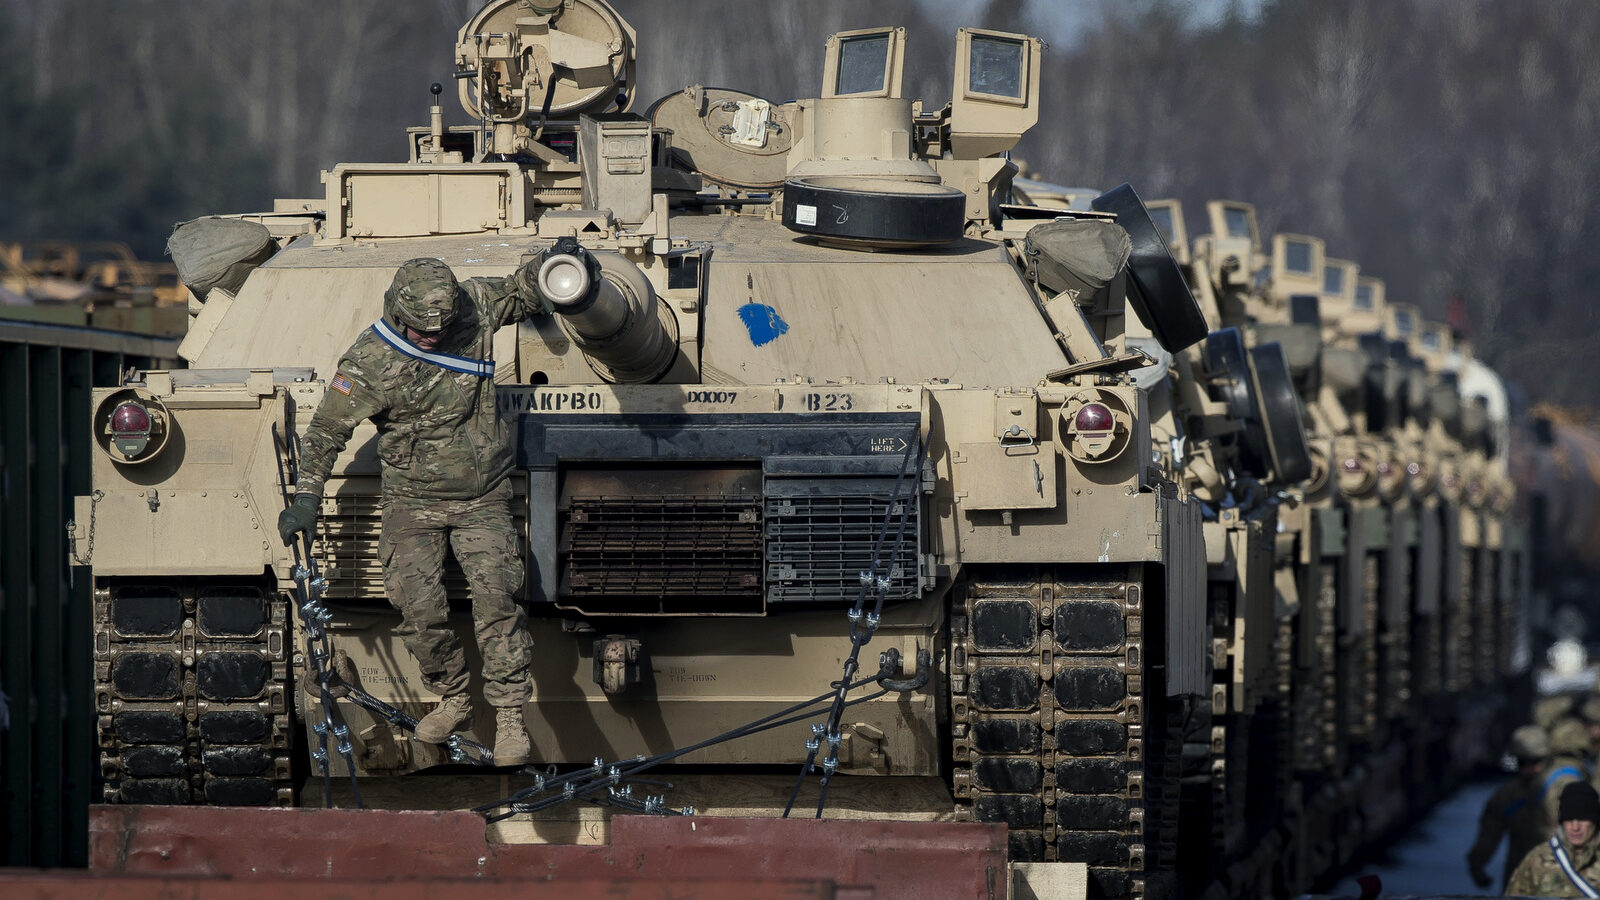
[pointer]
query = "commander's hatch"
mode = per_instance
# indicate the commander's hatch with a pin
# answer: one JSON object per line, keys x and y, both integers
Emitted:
{"x": 867, "y": 62}
{"x": 996, "y": 96}
{"x": 1367, "y": 302}
{"x": 1235, "y": 243}
{"x": 1339, "y": 294}
{"x": 1297, "y": 262}
{"x": 854, "y": 160}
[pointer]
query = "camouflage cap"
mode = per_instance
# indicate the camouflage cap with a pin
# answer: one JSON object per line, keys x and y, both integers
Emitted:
{"x": 1550, "y": 710}
{"x": 1570, "y": 737}
{"x": 424, "y": 295}
{"x": 1591, "y": 709}
{"x": 1530, "y": 743}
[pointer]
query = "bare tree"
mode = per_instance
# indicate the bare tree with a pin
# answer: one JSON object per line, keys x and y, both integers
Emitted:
{"x": 1446, "y": 145}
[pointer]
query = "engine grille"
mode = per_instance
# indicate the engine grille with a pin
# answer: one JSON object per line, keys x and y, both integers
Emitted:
{"x": 646, "y": 549}
{"x": 348, "y": 530}
{"x": 718, "y": 513}
{"x": 818, "y": 546}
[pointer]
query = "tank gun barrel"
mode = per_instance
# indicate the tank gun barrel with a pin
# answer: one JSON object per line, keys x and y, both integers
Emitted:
{"x": 608, "y": 308}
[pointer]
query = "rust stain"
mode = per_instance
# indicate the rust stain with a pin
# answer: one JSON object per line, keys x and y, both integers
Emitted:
{"x": 891, "y": 860}
{"x": 18, "y": 884}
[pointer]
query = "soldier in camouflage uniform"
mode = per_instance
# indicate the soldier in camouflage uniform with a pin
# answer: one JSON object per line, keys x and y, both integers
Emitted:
{"x": 424, "y": 374}
{"x": 1523, "y": 809}
{"x": 1589, "y": 712}
{"x": 1567, "y": 864}
{"x": 1552, "y": 709}
{"x": 1570, "y": 742}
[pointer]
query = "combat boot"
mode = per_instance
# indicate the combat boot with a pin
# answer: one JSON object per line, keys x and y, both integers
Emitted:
{"x": 510, "y": 737}
{"x": 451, "y": 714}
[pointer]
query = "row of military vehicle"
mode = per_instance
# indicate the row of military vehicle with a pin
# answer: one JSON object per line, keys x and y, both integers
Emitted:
{"x": 1381, "y": 555}
{"x": 1189, "y": 565}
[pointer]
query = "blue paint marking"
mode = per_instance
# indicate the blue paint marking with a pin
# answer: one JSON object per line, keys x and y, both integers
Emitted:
{"x": 763, "y": 323}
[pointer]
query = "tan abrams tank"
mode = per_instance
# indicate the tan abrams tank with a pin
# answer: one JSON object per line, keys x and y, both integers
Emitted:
{"x": 832, "y": 414}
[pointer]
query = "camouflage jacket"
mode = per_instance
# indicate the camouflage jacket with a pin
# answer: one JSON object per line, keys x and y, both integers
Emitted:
{"x": 1539, "y": 875}
{"x": 1522, "y": 810}
{"x": 440, "y": 436}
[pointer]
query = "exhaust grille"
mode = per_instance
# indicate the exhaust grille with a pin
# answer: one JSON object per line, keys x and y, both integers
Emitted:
{"x": 818, "y": 546}
{"x": 717, "y": 513}
{"x": 642, "y": 551}
{"x": 348, "y": 531}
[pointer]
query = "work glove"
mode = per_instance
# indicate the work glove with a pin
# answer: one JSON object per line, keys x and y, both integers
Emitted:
{"x": 1480, "y": 877}
{"x": 525, "y": 280}
{"x": 301, "y": 515}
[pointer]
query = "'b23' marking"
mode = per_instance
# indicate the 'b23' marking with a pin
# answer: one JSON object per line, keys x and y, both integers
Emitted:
{"x": 828, "y": 403}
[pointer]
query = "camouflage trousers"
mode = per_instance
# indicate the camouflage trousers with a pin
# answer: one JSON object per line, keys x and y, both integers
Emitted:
{"x": 479, "y": 531}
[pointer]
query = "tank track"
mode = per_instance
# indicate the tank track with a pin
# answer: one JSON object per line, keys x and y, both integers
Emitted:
{"x": 1394, "y": 649}
{"x": 1356, "y": 665}
{"x": 191, "y": 692}
{"x": 1506, "y": 576}
{"x": 1486, "y": 662}
{"x": 1427, "y": 642}
{"x": 1238, "y": 766}
{"x": 1052, "y": 732}
{"x": 1224, "y": 776}
{"x": 1316, "y": 681}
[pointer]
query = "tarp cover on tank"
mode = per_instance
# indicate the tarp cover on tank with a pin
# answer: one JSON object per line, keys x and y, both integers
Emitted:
{"x": 215, "y": 252}
{"x": 1077, "y": 254}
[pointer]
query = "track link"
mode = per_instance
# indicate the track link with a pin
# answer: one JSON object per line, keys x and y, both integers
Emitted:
{"x": 191, "y": 692}
{"x": 1051, "y": 728}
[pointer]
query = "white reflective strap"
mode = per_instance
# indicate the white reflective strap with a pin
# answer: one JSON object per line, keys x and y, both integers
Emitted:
{"x": 481, "y": 367}
{"x": 1565, "y": 862}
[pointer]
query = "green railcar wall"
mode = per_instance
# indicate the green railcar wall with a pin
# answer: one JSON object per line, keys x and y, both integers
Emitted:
{"x": 48, "y": 760}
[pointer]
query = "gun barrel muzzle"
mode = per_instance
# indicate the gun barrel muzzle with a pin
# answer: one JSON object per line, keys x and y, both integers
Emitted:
{"x": 615, "y": 319}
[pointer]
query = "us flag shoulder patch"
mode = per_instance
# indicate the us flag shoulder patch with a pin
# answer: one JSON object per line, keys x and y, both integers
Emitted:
{"x": 340, "y": 384}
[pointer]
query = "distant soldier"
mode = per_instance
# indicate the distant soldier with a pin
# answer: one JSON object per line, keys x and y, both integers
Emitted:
{"x": 1571, "y": 745}
{"x": 1552, "y": 709}
{"x": 1567, "y": 864}
{"x": 1523, "y": 809}
{"x": 1590, "y": 713}
{"x": 424, "y": 374}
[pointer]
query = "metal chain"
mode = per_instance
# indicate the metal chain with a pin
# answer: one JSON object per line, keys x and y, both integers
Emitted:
{"x": 863, "y": 625}
{"x": 461, "y": 749}
{"x": 309, "y": 589}
{"x": 550, "y": 789}
{"x": 72, "y": 530}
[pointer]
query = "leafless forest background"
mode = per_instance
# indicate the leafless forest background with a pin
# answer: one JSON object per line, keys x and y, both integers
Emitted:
{"x": 1449, "y": 146}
